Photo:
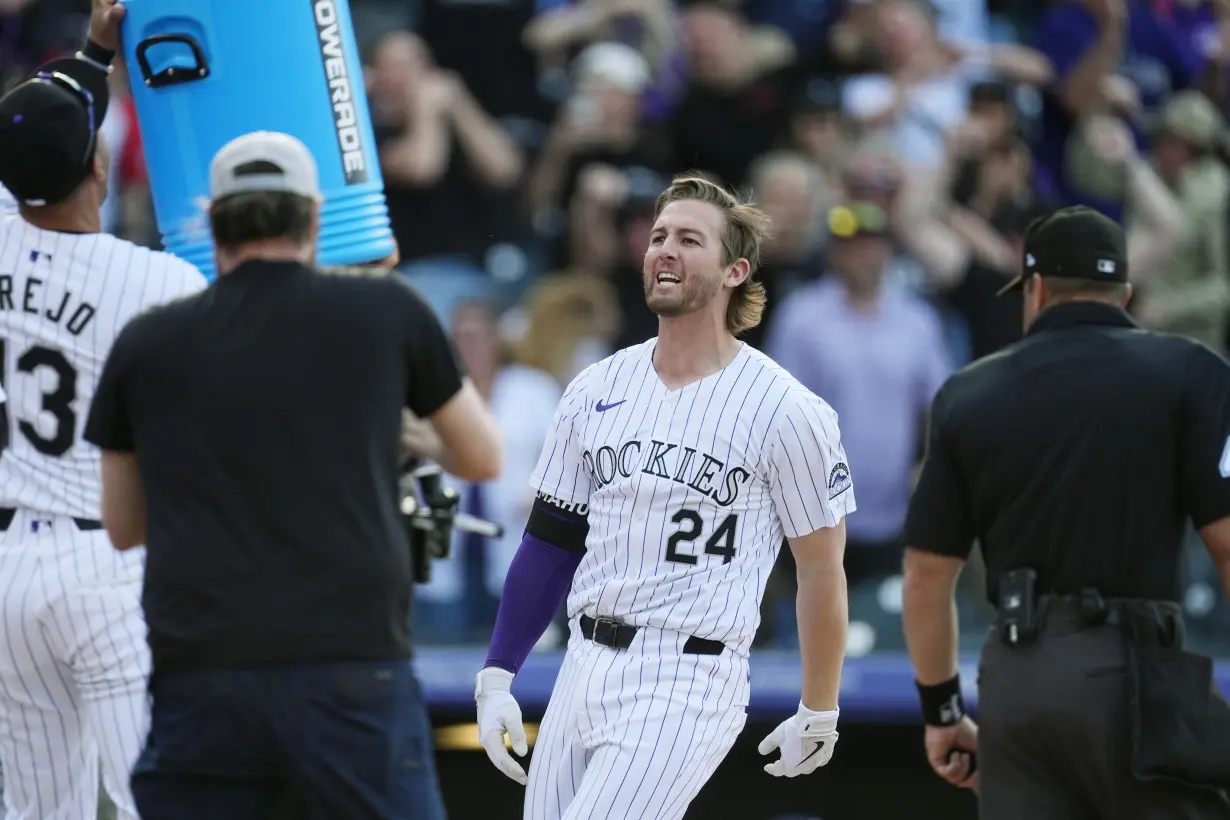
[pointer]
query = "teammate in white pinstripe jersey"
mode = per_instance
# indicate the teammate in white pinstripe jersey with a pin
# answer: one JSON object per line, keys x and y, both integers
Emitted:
{"x": 73, "y": 655}
{"x": 674, "y": 469}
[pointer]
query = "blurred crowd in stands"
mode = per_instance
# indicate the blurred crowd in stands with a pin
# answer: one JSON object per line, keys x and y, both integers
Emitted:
{"x": 901, "y": 148}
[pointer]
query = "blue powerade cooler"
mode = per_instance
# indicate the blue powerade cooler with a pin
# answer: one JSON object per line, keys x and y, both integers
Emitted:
{"x": 206, "y": 71}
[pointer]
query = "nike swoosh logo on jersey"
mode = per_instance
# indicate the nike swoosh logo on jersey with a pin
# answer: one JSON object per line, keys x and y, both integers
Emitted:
{"x": 602, "y": 408}
{"x": 812, "y": 753}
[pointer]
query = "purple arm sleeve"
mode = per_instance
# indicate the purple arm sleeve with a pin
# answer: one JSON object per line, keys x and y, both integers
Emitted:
{"x": 537, "y": 581}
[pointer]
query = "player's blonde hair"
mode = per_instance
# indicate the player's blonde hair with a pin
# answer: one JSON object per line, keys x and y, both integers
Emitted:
{"x": 746, "y": 228}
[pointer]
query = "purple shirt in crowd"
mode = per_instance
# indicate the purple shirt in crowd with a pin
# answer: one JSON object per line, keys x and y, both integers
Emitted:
{"x": 879, "y": 371}
{"x": 1157, "y": 59}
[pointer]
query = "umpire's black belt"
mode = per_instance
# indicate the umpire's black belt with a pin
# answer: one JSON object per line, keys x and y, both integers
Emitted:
{"x": 1086, "y": 611}
{"x": 617, "y": 635}
{"x": 84, "y": 524}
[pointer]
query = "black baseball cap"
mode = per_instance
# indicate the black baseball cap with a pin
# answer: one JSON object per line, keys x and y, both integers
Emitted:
{"x": 1073, "y": 243}
{"x": 49, "y": 130}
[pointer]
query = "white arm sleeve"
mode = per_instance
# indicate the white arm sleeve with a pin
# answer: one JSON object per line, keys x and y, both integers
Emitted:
{"x": 809, "y": 477}
{"x": 561, "y": 471}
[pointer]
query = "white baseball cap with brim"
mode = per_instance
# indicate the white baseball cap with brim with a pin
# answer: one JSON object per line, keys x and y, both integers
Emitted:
{"x": 618, "y": 64}
{"x": 266, "y": 161}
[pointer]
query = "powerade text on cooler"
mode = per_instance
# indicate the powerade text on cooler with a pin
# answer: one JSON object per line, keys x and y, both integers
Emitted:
{"x": 206, "y": 71}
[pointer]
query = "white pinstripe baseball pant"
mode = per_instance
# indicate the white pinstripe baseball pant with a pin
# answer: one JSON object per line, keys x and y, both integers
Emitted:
{"x": 73, "y": 669}
{"x": 634, "y": 733}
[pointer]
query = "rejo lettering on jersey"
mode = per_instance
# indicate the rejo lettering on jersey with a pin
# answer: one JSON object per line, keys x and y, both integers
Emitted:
{"x": 65, "y": 309}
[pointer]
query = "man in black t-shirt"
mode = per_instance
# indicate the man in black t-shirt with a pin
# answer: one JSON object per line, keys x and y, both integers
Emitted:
{"x": 250, "y": 441}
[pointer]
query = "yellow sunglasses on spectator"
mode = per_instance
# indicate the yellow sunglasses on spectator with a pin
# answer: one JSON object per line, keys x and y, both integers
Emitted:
{"x": 847, "y": 221}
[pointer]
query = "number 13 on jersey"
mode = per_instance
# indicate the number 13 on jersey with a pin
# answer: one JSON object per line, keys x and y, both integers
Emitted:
{"x": 57, "y": 402}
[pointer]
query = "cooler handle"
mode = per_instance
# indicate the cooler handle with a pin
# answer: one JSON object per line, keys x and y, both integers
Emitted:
{"x": 174, "y": 75}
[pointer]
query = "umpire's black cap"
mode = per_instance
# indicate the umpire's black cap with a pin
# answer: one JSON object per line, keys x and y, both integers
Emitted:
{"x": 49, "y": 130}
{"x": 1073, "y": 243}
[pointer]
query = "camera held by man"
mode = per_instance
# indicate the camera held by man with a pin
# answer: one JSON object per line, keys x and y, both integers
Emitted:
{"x": 430, "y": 514}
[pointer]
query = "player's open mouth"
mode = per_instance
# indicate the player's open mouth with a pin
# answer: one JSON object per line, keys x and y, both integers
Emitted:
{"x": 665, "y": 278}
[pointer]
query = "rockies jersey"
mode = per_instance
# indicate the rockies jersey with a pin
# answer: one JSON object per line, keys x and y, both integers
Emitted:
{"x": 63, "y": 300}
{"x": 690, "y": 491}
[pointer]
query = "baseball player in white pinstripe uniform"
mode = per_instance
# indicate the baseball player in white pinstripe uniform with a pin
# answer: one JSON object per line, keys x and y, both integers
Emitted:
{"x": 672, "y": 474}
{"x": 73, "y": 655}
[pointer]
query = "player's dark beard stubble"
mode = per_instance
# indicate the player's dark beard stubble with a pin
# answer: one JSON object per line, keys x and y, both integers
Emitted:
{"x": 697, "y": 291}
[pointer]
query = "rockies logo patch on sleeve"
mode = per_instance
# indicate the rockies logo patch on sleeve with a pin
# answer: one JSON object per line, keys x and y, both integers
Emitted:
{"x": 839, "y": 480}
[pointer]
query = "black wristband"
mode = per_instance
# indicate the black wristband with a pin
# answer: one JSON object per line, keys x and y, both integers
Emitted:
{"x": 942, "y": 704}
{"x": 95, "y": 53}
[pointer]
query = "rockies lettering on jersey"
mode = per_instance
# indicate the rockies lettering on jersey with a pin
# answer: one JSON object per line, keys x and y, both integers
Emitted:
{"x": 682, "y": 468}
{"x": 690, "y": 491}
{"x": 63, "y": 300}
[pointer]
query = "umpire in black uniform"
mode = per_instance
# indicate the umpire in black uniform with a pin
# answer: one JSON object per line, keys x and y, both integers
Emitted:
{"x": 250, "y": 439}
{"x": 1074, "y": 458}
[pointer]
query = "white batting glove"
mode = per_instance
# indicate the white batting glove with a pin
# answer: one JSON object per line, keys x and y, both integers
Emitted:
{"x": 807, "y": 740}
{"x": 498, "y": 713}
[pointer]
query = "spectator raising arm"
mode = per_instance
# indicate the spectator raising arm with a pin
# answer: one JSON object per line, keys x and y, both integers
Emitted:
{"x": 568, "y": 26}
{"x": 593, "y": 238}
{"x": 940, "y": 251}
{"x": 1082, "y": 82}
{"x": 1156, "y": 218}
{"x": 420, "y": 156}
{"x": 555, "y": 33}
{"x": 1020, "y": 64}
{"x": 491, "y": 154}
{"x": 1011, "y": 61}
